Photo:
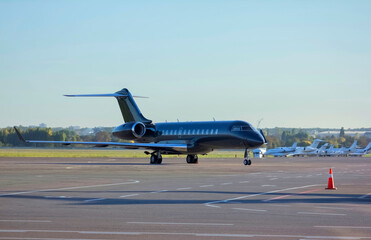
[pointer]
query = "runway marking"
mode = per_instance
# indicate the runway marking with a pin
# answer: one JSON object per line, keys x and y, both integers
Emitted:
{"x": 244, "y": 181}
{"x": 273, "y": 179}
{"x": 184, "y": 188}
{"x": 249, "y": 209}
{"x": 160, "y": 191}
{"x": 211, "y": 204}
{"x": 279, "y": 205}
{"x": 69, "y": 188}
{"x": 94, "y": 199}
{"x": 130, "y": 195}
{"x": 336, "y": 208}
{"x": 288, "y": 195}
{"x": 267, "y": 185}
{"x": 231, "y": 235}
{"x": 172, "y": 223}
{"x": 36, "y": 221}
{"x": 207, "y": 186}
{"x": 329, "y": 214}
{"x": 227, "y": 183}
{"x": 28, "y": 238}
{"x": 365, "y": 196}
{"x": 355, "y": 227}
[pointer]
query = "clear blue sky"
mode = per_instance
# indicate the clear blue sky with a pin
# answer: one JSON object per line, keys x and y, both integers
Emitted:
{"x": 293, "y": 63}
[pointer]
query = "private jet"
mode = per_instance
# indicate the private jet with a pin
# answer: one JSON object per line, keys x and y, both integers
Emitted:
{"x": 190, "y": 138}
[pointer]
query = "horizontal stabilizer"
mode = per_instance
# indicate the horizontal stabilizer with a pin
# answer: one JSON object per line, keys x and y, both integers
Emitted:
{"x": 101, "y": 95}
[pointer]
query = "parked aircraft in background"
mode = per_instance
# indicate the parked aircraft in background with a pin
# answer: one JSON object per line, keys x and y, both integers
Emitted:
{"x": 351, "y": 149}
{"x": 281, "y": 151}
{"x": 189, "y": 138}
{"x": 303, "y": 151}
{"x": 361, "y": 152}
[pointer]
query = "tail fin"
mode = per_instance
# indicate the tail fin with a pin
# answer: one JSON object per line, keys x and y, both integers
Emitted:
{"x": 368, "y": 146}
{"x": 354, "y": 145}
{"x": 294, "y": 145}
{"x": 315, "y": 143}
{"x": 129, "y": 109}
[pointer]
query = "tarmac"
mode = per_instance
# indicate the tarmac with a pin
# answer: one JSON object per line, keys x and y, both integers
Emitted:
{"x": 102, "y": 198}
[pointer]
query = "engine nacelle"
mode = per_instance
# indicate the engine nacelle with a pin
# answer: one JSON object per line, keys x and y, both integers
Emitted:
{"x": 138, "y": 129}
{"x": 132, "y": 131}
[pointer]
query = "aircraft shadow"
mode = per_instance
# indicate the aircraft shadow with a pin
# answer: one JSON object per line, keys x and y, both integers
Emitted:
{"x": 309, "y": 198}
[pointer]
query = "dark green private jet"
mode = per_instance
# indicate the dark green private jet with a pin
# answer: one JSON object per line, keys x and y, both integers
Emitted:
{"x": 190, "y": 138}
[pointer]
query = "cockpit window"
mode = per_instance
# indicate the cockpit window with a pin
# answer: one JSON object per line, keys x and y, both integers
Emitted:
{"x": 246, "y": 128}
{"x": 241, "y": 128}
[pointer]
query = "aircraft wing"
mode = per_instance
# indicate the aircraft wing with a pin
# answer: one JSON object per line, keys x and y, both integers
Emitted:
{"x": 150, "y": 146}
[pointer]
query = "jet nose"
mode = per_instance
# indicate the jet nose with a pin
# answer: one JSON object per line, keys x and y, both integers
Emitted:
{"x": 257, "y": 139}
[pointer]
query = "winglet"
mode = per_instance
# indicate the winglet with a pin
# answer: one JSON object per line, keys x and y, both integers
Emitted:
{"x": 19, "y": 135}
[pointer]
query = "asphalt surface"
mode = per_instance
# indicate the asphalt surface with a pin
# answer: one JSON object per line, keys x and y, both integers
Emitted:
{"x": 274, "y": 198}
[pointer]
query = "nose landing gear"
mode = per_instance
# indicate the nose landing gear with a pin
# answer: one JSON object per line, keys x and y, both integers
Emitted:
{"x": 247, "y": 160}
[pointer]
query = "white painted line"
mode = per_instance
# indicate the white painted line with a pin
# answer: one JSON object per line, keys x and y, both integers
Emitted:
{"x": 130, "y": 195}
{"x": 329, "y": 214}
{"x": 210, "y": 204}
{"x": 365, "y": 196}
{"x": 70, "y": 188}
{"x": 227, "y": 183}
{"x": 267, "y": 185}
{"x": 94, "y": 199}
{"x": 244, "y": 181}
{"x": 172, "y": 223}
{"x": 36, "y": 221}
{"x": 273, "y": 179}
{"x": 249, "y": 209}
{"x": 336, "y": 208}
{"x": 28, "y": 238}
{"x": 267, "y": 236}
{"x": 184, "y": 188}
{"x": 160, "y": 191}
{"x": 207, "y": 186}
{"x": 355, "y": 227}
{"x": 279, "y": 205}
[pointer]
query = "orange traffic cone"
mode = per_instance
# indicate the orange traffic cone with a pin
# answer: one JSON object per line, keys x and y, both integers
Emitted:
{"x": 330, "y": 185}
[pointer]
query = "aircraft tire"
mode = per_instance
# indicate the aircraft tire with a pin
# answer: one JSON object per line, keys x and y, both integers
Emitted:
{"x": 153, "y": 159}
{"x": 192, "y": 159}
{"x": 159, "y": 160}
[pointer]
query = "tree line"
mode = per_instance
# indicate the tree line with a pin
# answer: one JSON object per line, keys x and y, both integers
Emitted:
{"x": 286, "y": 137}
{"x": 9, "y": 138}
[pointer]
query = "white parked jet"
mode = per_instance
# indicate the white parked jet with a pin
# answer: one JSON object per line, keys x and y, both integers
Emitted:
{"x": 281, "y": 151}
{"x": 302, "y": 151}
{"x": 361, "y": 152}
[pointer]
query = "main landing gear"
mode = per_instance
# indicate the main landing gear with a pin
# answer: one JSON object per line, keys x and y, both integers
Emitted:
{"x": 192, "y": 159}
{"x": 246, "y": 157}
{"x": 155, "y": 158}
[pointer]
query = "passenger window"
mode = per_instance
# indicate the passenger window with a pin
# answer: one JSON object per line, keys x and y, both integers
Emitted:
{"x": 194, "y": 132}
{"x": 180, "y": 132}
{"x": 202, "y": 131}
{"x": 189, "y": 132}
{"x": 216, "y": 131}
{"x": 198, "y": 131}
{"x": 207, "y": 131}
{"x": 175, "y": 131}
{"x": 171, "y": 132}
{"x": 212, "y": 131}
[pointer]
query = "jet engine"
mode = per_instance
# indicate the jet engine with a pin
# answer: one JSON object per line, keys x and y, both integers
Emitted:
{"x": 138, "y": 129}
{"x": 132, "y": 131}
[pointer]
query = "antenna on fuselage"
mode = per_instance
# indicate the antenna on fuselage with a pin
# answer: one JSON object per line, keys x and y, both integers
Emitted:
{"x": 259, "y": 122}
